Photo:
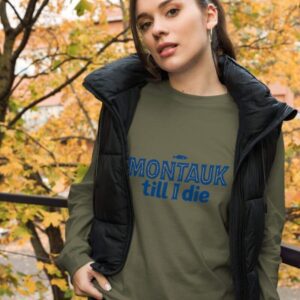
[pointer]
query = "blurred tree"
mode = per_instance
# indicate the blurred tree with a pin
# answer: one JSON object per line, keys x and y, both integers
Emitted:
{"x": 40, "y": 59}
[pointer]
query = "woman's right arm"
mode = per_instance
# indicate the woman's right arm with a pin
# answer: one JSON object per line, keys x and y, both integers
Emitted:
{"x": 76, "y": 251}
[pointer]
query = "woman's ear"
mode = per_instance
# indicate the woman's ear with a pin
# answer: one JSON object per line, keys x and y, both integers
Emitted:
{"x": 212, "y": 16}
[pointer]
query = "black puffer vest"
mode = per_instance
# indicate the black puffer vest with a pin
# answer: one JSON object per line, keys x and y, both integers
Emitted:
{"x": 118, "y": 86}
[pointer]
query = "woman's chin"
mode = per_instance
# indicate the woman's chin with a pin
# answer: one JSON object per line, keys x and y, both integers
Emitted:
{"x": 169, "y": 65}
{"x": 172, "y": 67}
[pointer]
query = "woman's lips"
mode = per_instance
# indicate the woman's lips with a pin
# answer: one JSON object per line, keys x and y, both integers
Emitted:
{"x": 168, "y": 51}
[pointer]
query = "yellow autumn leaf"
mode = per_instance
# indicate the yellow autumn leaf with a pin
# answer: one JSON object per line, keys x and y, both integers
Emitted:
{"x": 51, "y": 269}
{"x": 296, "y": 139}
{"x": 52, "y": 218}
{"x": 30, "y": 284}
{"x": 61, "y": 283}
{"x": 21, "y": 291}
{"x": 6, "y": 151}
{"x": 40, "y": 265}
{"x": 17, "y": 167}
{"x": 6, "y": 170}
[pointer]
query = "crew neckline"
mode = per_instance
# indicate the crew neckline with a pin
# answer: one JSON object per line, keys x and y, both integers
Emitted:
{"x": 194, "y": 100}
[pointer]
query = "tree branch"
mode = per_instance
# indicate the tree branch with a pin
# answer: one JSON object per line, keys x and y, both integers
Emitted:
{"x": 3, "y": 16}
{"x": 86, "y": 114}
{"x": 63, "y": 85}
{"x": 36, "y": 242}
{"x": 52, "y": 93}
{"x": 292, "y": 213}
{"x": 27, "y": 24}
{"x": 62, "y": 165}
{"x": 51, "y": 154}
{"x": 66, "y": 138}
{"x": 27, "y": 17}
{"x": 15, "y": 11}
{"x": 23, "y": 43}
{"x": 36, "y": 61}
{"x": 44, "y": 73}
{"x": 43, "y": 5}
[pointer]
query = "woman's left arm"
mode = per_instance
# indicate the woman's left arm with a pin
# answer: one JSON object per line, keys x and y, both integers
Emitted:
{"x": 269, "y": 258}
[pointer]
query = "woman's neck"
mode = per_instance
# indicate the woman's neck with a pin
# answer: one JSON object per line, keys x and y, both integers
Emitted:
{"x": 200, "y": 78}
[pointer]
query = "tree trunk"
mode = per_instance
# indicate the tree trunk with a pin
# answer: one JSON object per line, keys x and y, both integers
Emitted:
{"x": 56, "y": 245}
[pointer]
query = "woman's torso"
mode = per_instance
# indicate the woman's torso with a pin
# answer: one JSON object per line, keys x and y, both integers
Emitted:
{"x": 181, "y": 152}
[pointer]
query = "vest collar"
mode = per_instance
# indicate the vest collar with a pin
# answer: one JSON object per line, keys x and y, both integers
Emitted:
{"x": 258, "y": 109}
{"x": 253, "y": 97}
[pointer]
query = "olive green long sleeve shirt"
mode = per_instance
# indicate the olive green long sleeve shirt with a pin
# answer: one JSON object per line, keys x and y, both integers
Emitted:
{"x": 182, "y": 112}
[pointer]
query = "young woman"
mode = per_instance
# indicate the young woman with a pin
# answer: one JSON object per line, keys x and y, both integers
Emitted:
{"x": 184, "y": 198}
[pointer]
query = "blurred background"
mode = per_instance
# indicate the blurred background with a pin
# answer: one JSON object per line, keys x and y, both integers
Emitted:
{"x": 48, "y": 121}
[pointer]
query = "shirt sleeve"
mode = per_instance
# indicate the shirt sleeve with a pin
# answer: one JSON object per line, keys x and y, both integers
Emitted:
{"x": 269, "y": 258}
{"x": 77, "y": 251}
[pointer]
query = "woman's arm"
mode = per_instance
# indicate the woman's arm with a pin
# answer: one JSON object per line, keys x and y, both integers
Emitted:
{"x": 269, "y": 258}
{"x": 76, "y": 251}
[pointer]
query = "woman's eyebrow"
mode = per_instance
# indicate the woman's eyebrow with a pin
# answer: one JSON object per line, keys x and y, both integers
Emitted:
{"x": 160, "y": 6}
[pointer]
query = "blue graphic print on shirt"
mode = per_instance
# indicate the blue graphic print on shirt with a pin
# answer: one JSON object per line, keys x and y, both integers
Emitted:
{"x": 163, "y": 179}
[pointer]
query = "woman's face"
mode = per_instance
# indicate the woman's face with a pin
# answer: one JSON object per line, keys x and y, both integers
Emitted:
{"x": 176, "y": 21}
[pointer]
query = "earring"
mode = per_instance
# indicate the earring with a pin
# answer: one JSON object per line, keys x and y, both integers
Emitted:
{"x": 210, "y": 35}
{"x": 148, "y": 58}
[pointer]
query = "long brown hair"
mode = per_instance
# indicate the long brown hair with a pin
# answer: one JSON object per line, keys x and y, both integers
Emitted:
{"x": 221, "y": 43}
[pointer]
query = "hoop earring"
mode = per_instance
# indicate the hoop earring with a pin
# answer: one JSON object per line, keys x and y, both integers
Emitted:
{"x": 148, "y": 57}
{"x": 150, "y": 60}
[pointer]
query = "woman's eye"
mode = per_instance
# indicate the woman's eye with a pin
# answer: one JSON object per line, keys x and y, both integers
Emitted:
{"x": 143, "y": 27}
{"x": 173, "y": 9}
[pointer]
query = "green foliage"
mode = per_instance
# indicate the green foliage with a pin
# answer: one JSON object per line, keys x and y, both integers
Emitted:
{"x": 80, "y": 172}
{"x": 56, "y": 64}
{"x": 82, "y": 6}
{"x": 73, "y": 49}
{"x": 13, "y": 105}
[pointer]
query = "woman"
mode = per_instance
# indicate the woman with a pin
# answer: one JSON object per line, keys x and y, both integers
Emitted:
{"x": 184, "y": 198}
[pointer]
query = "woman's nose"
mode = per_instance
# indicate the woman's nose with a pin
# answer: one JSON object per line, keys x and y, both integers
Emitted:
{"x": 159, "y": 28}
